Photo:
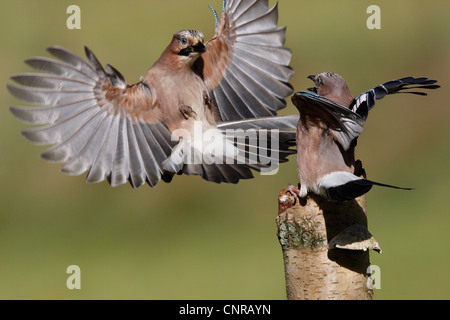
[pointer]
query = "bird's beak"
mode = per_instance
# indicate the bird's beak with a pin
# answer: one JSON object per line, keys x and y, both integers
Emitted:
{"x": 199, "y": 47}
{"x": 313, "y": 78}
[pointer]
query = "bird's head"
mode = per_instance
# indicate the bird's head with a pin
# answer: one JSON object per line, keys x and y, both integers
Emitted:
{"x": 327, "y": 82}
{"x": 332, "y": 86}
{"x": 188, "y": 45}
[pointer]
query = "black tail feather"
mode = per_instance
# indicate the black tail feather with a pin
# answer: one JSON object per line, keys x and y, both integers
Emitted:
{"x": 354, "y": 189}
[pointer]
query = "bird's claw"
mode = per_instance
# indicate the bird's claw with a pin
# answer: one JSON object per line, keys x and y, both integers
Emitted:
{"x": 298, "y": 193}
{"x": 187, "y": 112}
{"x": 295, "y": 191}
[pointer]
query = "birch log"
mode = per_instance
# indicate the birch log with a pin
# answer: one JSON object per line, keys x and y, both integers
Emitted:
{"x": 325, "y": 248}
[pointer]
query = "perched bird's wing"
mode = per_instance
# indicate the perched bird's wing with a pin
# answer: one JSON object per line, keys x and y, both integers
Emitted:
{"x": 95, "y": 121}
{"x": 245, "y": 66}
{"x": 344, "y": 124}
{"x": 366, "y": 101}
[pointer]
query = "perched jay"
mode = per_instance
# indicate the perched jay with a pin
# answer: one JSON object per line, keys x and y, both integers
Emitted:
{"x": 145, "y": 132}
{"x": 331, "y": 120}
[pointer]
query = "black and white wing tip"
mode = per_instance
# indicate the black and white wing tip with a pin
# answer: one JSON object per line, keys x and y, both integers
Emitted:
{"x": 363, "y": 103}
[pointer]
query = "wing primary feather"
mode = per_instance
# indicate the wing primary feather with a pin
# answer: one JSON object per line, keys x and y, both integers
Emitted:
{"x": 102, "y": 165}
{"x": 135, "y": 162}
{"x": 59, "y": 131}
{"x": 83, "y": 160}
{"x": 120, "y": 172}
{"x": 49, "y": 81}
{"x": 72, "y": 59}
{"x": 94, "y": 62}
{"x": 72, "y": 145}
{"x": 59, "y": 68}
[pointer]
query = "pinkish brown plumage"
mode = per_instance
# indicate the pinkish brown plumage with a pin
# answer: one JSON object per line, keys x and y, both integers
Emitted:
{"x": 137, "y": 133}
{"x": 331, "y": 120}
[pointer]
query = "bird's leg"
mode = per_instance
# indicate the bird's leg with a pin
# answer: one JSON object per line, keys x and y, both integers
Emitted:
{"x": 187, "y": 112}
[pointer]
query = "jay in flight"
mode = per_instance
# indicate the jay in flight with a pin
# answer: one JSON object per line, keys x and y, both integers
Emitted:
{"x": 331, "y": 120}
{"x": 141, "y": 133}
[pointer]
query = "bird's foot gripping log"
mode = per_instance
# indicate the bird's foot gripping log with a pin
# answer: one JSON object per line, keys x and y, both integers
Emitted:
{"x": 325, "y": 247}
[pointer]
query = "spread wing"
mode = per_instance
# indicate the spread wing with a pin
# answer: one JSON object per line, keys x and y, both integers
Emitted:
{"x": 95, "y": 121}
{"x": 366, "y": 100}
{"x": 345, "y": 125}
{"x": 246, "y": 66}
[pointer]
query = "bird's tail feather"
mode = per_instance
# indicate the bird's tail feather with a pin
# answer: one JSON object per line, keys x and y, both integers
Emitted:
{"x": 254, "y": 144}
{"x": 344, "y": 186}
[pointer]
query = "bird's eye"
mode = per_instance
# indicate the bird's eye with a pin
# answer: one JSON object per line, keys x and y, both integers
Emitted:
{"x": 319, "y": 80}
{"x": 183, "y": 41}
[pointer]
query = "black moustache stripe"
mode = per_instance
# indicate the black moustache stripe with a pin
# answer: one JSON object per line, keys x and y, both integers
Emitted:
{"x": 185, "y": 52}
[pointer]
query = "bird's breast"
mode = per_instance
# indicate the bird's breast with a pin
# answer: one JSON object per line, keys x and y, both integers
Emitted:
{"x": 318, "y": 155}
{"x": 179, "y": 90}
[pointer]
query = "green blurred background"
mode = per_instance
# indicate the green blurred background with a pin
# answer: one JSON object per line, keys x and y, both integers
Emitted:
{"x": 196, "y": 240}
